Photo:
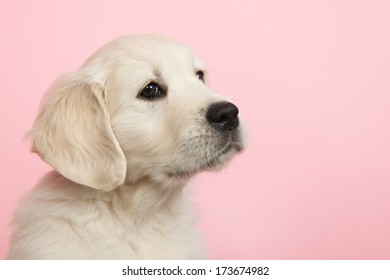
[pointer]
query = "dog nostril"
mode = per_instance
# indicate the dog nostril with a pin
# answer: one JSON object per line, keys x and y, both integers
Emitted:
{"x": 223, "y": 115}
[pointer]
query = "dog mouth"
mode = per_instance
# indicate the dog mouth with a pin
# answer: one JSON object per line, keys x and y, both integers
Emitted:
{"x": 205, "y": 160}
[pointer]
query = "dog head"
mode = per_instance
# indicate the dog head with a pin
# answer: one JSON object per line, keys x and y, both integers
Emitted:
{"x": 138, "y": 108}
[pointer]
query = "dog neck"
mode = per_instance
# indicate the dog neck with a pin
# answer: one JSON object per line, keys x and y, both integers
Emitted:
{"x": 147, "y": 197}
{"x": 142, "y": 199}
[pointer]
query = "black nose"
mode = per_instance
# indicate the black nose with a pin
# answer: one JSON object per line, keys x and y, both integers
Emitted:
{"x": 223, "y": 115}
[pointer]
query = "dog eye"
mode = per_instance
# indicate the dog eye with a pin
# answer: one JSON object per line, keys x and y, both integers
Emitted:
{"x": 200, "y": 75}
{"x": 151, "y": 91}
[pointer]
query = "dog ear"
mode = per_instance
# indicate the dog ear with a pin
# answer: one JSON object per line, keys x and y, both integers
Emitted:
{"x": 73, "y": 134}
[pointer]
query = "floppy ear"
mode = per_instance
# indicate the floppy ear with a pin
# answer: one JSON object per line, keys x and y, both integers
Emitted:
{"x": 73, "y": 134}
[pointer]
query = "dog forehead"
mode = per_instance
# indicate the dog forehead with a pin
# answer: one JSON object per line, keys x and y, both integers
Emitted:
{"x": 153, "y": 49}
{"x": 142, "y": 56}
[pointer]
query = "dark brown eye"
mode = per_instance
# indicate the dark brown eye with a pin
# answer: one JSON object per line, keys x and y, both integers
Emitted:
{"x": 151, "y": 91}
{"x": 200, "y": 75}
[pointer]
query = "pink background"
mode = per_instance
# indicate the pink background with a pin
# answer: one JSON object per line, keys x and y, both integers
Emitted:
{"x": 311, "y": 78}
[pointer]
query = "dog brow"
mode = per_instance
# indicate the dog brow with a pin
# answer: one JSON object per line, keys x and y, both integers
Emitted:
{"x": 157, "y": 74}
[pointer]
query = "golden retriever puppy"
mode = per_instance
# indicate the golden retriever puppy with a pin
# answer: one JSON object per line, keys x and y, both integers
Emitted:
{"x": 124, "y": 134}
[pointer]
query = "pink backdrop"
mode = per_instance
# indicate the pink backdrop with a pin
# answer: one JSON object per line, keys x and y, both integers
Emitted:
{"x": 311, "y": 78}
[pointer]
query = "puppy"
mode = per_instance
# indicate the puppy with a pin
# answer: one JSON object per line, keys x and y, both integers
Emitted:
{"x": 124, "y": 134}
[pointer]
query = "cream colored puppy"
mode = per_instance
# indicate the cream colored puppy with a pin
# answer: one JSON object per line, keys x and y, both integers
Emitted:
{"x": 124, "y": 135}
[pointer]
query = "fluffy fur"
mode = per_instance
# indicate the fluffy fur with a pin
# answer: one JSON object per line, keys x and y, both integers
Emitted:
{"x": 121, "y": 162}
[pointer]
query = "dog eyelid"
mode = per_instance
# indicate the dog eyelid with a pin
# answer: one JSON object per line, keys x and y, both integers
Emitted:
{"x": 200, "y": 75}
{"x": 152, "y": 91}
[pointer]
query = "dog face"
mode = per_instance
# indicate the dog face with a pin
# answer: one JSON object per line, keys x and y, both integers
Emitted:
{"x": 139, "y": 108}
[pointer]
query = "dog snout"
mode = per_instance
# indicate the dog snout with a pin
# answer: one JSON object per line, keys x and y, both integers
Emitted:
{"x": 223, "y": 116}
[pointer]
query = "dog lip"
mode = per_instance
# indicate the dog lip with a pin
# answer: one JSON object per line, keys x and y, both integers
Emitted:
{"x": 179, "y": 174}
{"x": 236, "y": 145}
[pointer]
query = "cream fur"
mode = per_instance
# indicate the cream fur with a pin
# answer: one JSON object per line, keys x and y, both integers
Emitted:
{"x": 121, "y": 162}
